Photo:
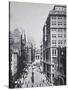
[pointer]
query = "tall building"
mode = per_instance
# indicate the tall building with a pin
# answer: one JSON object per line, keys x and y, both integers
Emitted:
{"x": 54, "y": 39}
{"x": 17, "y": 41}
{"x": 30, "y": 52}
{"x": 23, "y": 47}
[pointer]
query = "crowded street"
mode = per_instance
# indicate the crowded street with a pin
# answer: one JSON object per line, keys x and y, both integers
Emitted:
{"x": 34, "y": 78}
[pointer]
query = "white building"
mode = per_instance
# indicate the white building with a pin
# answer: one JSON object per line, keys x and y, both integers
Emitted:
{"x": 37, "y": 56}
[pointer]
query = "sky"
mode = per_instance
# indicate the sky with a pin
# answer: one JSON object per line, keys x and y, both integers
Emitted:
{"x": 29, "y": 17}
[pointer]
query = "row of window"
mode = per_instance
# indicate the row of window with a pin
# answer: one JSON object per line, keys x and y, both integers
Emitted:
{"x": 54, "y": 17}
{"x": 60, "y": 8}
{"x": 59, "y": 30}
{"x": 59, "y": 42}
{"x": 59, "y": 23}
{"x": 59, "y": 35}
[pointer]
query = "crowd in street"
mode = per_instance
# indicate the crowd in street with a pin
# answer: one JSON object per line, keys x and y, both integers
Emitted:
{"x": 34, "y": 78}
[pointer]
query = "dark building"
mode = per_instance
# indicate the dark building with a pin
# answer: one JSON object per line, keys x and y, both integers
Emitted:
{"x": 54, "y": 36}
